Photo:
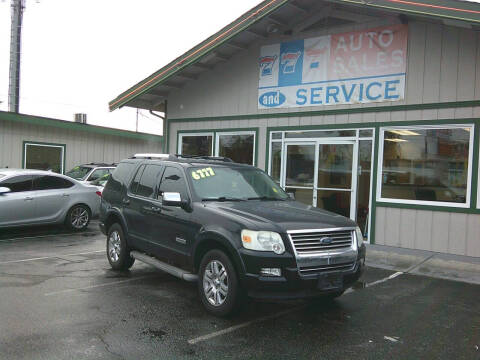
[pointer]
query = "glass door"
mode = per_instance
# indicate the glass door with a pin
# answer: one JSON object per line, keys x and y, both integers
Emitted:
{"x": 299, "y": 173}
{"x": 335, "y": 183}
{"x": 322, "y": 173}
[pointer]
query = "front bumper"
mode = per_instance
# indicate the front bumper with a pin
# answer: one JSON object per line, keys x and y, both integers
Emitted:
{"x": 292, "y": 284}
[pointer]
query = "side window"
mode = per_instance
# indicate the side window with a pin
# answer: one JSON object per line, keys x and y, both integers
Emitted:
{"x": 173, "y": 181}
{"x": 148, "y": 181}
{"x": 97, "y": 174}
{"x": 50, "y": 183}
{"x": 134, "y": 184}
{"x": 18, "y": 183}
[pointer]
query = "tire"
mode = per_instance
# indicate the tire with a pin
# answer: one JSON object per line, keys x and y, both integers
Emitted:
{"x": 78, "y": 217}
{"x": 218, "y": 284}
{"x": 118, "y": 253}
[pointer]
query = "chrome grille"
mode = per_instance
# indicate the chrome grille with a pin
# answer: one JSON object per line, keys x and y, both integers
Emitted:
{"x": 306, "y": 270}
{"x": 311, "y": 242}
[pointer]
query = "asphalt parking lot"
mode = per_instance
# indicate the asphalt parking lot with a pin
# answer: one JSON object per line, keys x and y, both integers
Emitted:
{"x": 60, "y": 300}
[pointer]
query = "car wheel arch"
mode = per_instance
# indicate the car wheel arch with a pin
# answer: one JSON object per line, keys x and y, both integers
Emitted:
{"x": 113, "y": 217}
{"x": 210, "y": 241}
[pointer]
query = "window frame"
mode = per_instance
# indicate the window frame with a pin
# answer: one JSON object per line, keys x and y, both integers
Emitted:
{"x": 241, "y": 132}
{"x": 37, "y": 143}
{"x": 196, "y": 134}
{"x": 381, "y": 143}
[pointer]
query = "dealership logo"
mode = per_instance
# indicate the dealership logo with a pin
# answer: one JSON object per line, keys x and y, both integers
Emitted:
{"x": 266, "y": 64}
{"x": 272, "y": 99}
{"x": 289, "y": 61}
{"x": 326, "y": 240}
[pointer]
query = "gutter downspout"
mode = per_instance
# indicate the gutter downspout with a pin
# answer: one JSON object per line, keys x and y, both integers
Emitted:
{"x": 165, "y": 127}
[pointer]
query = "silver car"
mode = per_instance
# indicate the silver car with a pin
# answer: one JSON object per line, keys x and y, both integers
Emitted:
{"x": 34, "y": 197}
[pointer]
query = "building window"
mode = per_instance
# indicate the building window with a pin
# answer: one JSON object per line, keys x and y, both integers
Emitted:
{"x": 200, "y": 144}
{"x": 428, "y": 165}
{"x": 41, "y": 156}
{"x": 238, "y": 146}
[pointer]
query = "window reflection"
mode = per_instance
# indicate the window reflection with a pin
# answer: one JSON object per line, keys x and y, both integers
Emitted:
{"x": 200, "y": 145}
{"x": 426, "y": 164}
{"x": 300, "y": 165}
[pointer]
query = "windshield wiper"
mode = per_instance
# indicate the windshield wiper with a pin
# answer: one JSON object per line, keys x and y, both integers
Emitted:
{"x": 223, "y": 198}
{"x": 265, "y": 198}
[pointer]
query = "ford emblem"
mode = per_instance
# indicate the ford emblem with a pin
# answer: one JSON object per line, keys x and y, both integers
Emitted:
{"x": 326, "y": 240}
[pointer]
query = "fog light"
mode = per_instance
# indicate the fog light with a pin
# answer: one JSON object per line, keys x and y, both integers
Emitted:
{"x": 270, "y": 272}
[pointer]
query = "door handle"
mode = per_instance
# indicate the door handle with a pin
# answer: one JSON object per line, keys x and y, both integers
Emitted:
{"x": 156, "y": 209}
{"x": 126, "y": 201}
{"x": 151, "y": 209}
{"x": 28, "y": 198}
{"x": 65, "y": 195}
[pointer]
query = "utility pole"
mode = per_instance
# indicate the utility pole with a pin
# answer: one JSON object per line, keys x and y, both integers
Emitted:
{"x": 15, "y": 48}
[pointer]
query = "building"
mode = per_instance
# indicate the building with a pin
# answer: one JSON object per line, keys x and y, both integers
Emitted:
{"x": 367, "y": 109}
{"x": 41, "y": 143}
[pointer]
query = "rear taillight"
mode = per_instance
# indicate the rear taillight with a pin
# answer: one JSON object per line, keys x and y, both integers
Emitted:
{"x": 99, "y": 193}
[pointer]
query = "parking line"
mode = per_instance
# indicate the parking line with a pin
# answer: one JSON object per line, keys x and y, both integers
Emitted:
{"x": 43, "y": 236}
{"x": 239, "y": 326}
{"x": 49, "y": 257}
{"x": 95, "y": 286}
{"x": 268, "y": 317}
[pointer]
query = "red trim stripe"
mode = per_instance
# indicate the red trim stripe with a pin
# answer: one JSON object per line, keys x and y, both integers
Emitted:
{"x": 434, "y": 6}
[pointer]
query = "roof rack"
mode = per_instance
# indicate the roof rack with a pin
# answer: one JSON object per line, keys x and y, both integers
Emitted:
{"x": 203, "y": 157}
{"x": 150, "y": 156}
{"x": 101, "y": 164}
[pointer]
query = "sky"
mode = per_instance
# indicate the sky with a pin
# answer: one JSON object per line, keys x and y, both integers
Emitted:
{"x": 77, "y": 55}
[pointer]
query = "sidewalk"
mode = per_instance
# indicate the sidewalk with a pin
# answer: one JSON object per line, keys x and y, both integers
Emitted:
{"x": 426, "y": 263}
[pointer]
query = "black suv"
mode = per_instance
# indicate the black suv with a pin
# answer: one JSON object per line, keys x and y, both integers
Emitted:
{"x": 229, "y": 227}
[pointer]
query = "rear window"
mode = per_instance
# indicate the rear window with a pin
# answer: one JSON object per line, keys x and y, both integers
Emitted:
{"x": 120, "y": 176}
{"x": 48, "y": 182}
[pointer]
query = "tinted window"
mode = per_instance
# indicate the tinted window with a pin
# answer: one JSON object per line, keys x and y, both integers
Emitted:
{"x": 50, "y": 182}
{"x": 173, "y": 181}
{"x": 120, "y": 176}
{"x": 148, "y": 181}
{"x": 18, "y": 183}
{"x": 238, "y": 147}
{"x": 197, "y": 145}
{"x": 134, "y": 185}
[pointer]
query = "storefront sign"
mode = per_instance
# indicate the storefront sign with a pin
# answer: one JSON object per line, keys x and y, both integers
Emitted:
{"x": 357, "y": 67}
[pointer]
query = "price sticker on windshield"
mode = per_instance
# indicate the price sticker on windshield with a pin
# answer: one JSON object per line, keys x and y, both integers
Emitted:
{"x": 202, "y": 173}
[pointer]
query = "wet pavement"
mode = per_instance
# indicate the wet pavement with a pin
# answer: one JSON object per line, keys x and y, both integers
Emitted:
{"x": 60, "y": 300}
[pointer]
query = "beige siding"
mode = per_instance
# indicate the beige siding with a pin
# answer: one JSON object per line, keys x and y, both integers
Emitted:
{"x": 81, "y": 146}
{"x": 443, "y": 65}
{"x": 453, "y": 233}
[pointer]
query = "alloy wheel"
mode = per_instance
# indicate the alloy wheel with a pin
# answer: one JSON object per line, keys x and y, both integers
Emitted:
{"x": 215, "y": 283}
{"x": 114, "y": 245}
{"x": 79, "y": 218}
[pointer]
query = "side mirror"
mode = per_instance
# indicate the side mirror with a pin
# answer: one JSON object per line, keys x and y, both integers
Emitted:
{"x": 291, "y": 195}
{"x": 172, "y": 199}
{"x": 4, "y": 190}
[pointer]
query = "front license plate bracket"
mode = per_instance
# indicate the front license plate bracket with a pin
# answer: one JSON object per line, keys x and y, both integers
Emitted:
{"x": 330, "y": 282}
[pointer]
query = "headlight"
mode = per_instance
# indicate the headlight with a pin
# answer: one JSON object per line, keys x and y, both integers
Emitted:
{"x": 263, "y": 241}
{"x": 359, "y": 236}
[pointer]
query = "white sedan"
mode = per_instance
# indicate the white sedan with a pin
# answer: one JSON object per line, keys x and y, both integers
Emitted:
{"x": 34, "y": 197}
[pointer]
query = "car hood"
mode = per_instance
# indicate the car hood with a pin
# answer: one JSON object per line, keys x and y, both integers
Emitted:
{"x": 281, "y": 215}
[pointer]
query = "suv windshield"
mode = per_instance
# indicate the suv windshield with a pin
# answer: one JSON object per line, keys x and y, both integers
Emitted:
{"x": 224, "y": 184}
{"x": 79, "y": 172}
{"x": 101, "y": 181}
